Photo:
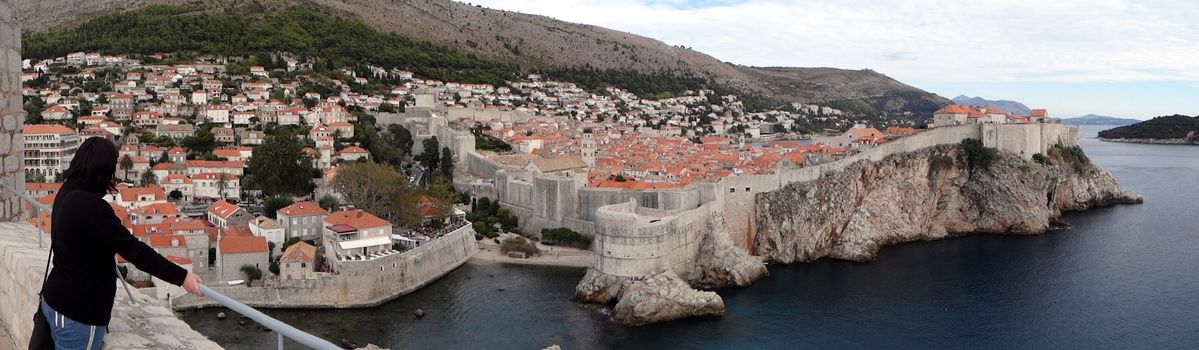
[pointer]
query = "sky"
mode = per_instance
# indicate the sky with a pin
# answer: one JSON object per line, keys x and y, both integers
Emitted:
{"x": 1136, "y": 59}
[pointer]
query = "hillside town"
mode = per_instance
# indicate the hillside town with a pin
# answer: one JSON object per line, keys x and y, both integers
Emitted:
{"x": 187, "y": 131}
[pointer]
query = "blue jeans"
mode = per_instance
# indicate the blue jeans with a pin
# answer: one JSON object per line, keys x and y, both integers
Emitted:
{"x": 72, "y": 335}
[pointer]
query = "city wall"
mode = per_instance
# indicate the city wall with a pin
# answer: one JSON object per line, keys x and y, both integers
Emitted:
{"x": 632, "y": 240}
{"x": 12, "y": 117}
{"x": 357, "y": 283}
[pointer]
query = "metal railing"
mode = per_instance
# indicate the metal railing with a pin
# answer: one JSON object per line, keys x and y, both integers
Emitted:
{"x": 279, "y": 327}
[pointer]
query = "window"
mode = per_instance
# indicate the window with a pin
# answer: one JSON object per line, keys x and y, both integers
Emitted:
{"x": 747, "y": 189}
{"x": 303, "y": 264}
{"x": 732, "y": 190}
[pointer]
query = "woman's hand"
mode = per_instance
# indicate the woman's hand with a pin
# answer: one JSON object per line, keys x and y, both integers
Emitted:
{"x": 192, "y": 284}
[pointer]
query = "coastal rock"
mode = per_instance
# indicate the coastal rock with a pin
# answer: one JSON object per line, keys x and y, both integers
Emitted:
{"x": 719, "y": 263}
{"x": 663, "y": 297}
{"x": 928, "y": 194}
{"x": 647, "y": 299}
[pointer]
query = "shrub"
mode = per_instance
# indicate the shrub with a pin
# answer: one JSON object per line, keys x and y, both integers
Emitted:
{"x": 565, "y": 236}
{"x": 938, "y": 162}
{"x": 519, "y": 244}
{"x": 1041, "y": 158}
{"x": 1072, "y": 155}
{"x": 977, "y": 155}
{"x": 252, "y": 273}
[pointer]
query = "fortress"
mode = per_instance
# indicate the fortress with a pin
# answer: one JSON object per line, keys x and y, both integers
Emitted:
{"x": 641, "y": 232}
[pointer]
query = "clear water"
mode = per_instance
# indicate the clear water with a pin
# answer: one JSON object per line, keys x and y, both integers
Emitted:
{"x": 1123, "y": 277}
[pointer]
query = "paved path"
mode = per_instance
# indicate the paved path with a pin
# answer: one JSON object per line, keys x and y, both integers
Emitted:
{"x": 5, "y": 341}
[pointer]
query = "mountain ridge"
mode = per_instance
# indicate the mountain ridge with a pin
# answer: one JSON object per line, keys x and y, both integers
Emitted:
{"x": 1005, "y": 105}
{"x": 1095, "y": 119}
{"x": 534, "y": 41}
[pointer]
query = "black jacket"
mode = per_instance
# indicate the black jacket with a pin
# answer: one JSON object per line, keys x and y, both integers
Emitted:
{"x": 86, "y": 235}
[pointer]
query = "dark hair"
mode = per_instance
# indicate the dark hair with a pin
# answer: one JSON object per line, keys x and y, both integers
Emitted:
{"x": 93, "y": 166}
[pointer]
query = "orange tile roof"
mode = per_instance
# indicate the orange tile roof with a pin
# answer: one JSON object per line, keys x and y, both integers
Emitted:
{"x": 167, "y": 240}
{"x": 223, "y": 209}
{"x": 303, "y": 209}
{"x": 130, "y": 194}
{"x": 298, "y": 252}
{"x": 46, "y": 129}
{"x": 355, "y": 218}
{"x": 238, "y": 244}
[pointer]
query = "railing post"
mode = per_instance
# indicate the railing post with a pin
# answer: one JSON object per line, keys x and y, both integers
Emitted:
{"x": 37, "y": 221}
{"x": 280, "y": 340}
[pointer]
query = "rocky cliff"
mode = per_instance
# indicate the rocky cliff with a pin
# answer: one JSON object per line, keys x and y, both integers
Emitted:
{"x": 928, "y": 194}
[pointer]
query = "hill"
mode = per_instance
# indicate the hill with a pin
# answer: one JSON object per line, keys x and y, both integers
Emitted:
{"x": 1093, "y": 119}
{"x": 1005, "y": 105}
{"x": 1166, "y": 129}
{"x": 543, "y": 44}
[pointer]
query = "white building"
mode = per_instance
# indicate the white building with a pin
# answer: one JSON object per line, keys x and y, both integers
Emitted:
{"x": 49, "y": 149}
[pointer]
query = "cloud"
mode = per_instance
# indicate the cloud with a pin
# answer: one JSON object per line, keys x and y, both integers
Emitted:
{"x": 934, "y": 41}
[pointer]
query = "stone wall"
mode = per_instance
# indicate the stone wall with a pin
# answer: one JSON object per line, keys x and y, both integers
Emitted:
{"x": 149, "y": 324}
{"x": 357, "y": 283}
{"x": 635, "y": 241}
{"x": 12, "y": 142}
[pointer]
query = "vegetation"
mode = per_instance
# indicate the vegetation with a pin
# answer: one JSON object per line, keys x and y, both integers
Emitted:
{"x": 1042, "y": 159}
{"x": 487, "y": 214}
{"x": 937, "y": 163}
{"x": 976, "y": 155}
{"x": 274, "y": 203}
{"x": 446, "y": 164}
{"x": 1166, "y": 127}
{"x": 566, "y": 237}
{"x": 252, "y": 273}
{"x": 488, "y": 142}
{"x": 430, "y": 157}
{"x": 280, "y": 167}
{"x": 519, "y": 244}
{"x": 399, "y": 137}
{"x": 378, "y": 189}
{"x": 331, "y": 41}
{"x": 1072, "y": 155}
{"x": 328, "y": 202}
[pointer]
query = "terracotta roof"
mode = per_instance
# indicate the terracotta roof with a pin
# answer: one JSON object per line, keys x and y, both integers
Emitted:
{"x": 355, "y": 218}
{"x": 1039, "y": 113}
{"x": 46, "y": 129}
{"x": 130, "y": 194}
{"x": 299, "y": 252}
{"x": 179, "y": 260}
{"x": 223, "y": 209}
{"x": 237, "y": 244}
{"x": 239, "y": 231}
{"x": 159, "y": 208}
{"x": 303, "y": 209}
{"x": 163, "y": 241}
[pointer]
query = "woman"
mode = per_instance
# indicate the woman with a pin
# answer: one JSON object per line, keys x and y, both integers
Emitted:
{"x": 77, "y": 297}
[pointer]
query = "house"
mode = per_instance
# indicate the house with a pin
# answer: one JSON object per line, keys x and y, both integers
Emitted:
{"x": 302, "y": 219}
{"x": 195, "y": 232}
{"x": 1038, "y": 116}
{"x": 56, "y": 112}
{"x": 353, "y": 232}
{"x": 175, "y": 131}
{"x": 234, "y": 251}
{"x": 177, "y": 182}
{"x": 216, "y": 185}
{"x": 953, "y": 115}
{"x": 225, "y": 214}
{"x": 353, "y": 153}
{"x": 297, "y": 262}
{"x": 216, "y": 114}
{"x": 155, "y": 213}
{"x": 265, "y": 227}
{"x": 199, "y": 97}
{"x": 226, "y": 135}
{"x": 137, "y": 197}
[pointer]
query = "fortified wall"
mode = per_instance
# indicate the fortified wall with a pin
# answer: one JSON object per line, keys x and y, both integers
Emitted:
{"x": 12, "y": 117}
{"x": 357, "y": 283}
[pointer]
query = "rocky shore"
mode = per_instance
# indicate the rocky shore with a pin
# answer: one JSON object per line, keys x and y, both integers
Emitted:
{"x": 928, "y": 194}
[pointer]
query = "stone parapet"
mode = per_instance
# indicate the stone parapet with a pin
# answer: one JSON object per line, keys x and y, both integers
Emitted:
{"x": 149, "y": 324}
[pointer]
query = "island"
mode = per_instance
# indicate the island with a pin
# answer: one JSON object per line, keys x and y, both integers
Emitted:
{"x": 1175, "y": 130}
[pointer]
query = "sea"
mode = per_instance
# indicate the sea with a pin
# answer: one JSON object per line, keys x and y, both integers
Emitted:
{"x": 1122, "y": 277}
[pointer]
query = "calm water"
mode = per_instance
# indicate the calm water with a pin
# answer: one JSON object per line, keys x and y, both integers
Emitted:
{"x": 1122, "y": 277}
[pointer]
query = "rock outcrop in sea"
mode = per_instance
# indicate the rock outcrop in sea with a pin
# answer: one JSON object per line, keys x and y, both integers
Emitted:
{"x": 928, "y": 194}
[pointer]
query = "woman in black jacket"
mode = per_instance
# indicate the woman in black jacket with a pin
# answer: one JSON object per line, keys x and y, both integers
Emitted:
{"x": 77, "y": 297}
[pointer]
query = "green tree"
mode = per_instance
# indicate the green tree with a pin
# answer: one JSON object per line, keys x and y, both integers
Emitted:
{"x": 203, "y": 142}
{"x": 279, "y": 166}
{"x": 252, "y": 273}
{"x": 176, "y": 195}
{"x": 126, "y": 166}
{"x": 429, "y": 158}
{"x": 274, "y": 203}
{"x": 377, "y": 189}
{"x": 446, "y": 163}
{"x": 148, "y": 178}
{"x": 400, "y": 138}
{"x": 328, "y": 202}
